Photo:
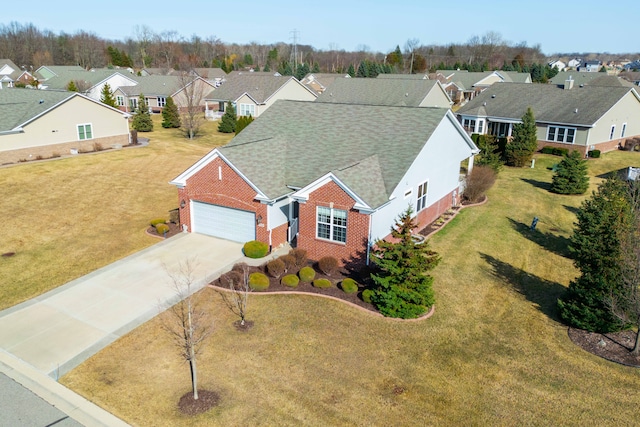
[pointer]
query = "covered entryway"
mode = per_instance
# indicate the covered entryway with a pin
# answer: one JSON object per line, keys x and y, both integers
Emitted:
{"x": 220, "y": 221}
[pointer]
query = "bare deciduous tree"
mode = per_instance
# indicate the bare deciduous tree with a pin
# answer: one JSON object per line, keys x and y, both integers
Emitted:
{"x": 187, "y": 321}
{"x": 236, "y": 299}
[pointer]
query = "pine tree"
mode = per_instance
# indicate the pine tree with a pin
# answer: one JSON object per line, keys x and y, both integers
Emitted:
{"x": 170, "y": 114}
{"x": 351, "y": 71}
{"x": 142, "y": 119}
{"x": 362, "y": 70}
{"x": 489, "y": 152}
{"x": 71, "y": 86}
{"x": 106, "y": 96}
{"x": 229, "y": 120}
{"x": 571, "y": 176}
{"x": 519, "y": 151}
{"x": 403, "y": 285}
{"x": 242, "y": 123}
{"x": 595, "y": 246}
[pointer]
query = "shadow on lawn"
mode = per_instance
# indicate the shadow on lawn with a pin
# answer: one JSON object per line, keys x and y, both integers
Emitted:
{"x": 574, "y": 210}
{"x": 554, "y": 243}
{"x": 539, "y": 291}
{"x": 538, "y": 184}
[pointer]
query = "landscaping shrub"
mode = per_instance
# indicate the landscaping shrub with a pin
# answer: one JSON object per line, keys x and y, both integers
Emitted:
{"x": 366, "y": 295}
{"x": 594, "y": 154}
{"x": 299, "y": 256}
{"x": 240, "y": 267}
{"x": 276, "y": 268}
{"x": 258, "y": 281}
{"x": 232, "y": 276}
{"x": 157, "y": 221}
{"x": 255, "y": 249}
{"x": 479, "y": 182}
{"x": 322, "y": 283}
{"x": 307, "y": 274}
{"x": 162, "y": 228}
{"x": 328, "y": 265}
{"x": 289, "y": 262}
{"x": 547, "y": 150}
{"x": 560, "y": 151}
{"x": 290, "y": 280}
{"x": 349, "y": 286}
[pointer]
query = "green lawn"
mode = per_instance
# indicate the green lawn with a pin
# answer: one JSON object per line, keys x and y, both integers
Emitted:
{"x": 68, "y": 217}
{"x": 494, "y": 352}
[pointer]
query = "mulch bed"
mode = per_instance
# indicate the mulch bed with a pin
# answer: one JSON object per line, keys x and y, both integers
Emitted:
{"x": 206, "y": 400}
{"x": 615, "y": 347}
{"x": 173, "y": 230}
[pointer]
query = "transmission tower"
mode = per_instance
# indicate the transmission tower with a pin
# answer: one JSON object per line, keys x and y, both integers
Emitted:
{"x": 294, "y": 50}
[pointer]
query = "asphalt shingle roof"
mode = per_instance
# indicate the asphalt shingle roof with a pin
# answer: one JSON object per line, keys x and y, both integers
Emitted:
{"x": 91, "y": 78}
{"x": 393, "y": 92}
{"x": 18, "y": 106}
{"x": 258, "y": 87}
{"x": 550, "y": 104}
{"x": 294, "y": 143}
{"x": 585, "y": 78}
{"x": 153, "y": 85}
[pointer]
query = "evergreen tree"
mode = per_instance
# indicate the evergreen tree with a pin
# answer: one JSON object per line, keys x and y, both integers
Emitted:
{"x": 571, "y": 175}
{"x": 170, "y": 114}
{"x": 351, "y": 71}
{"x": 595, "y": 246}
{"x": 603, "y": 69}
{"x": 267, "y": 67}
{"x": 362, "y": 70}
{"x": 489, "y": 152}
{"x": 229, "y": 120}
{"x": 71, "y": 86}
{"x": 519, "y": 151}
{"x": 106, "y": 96}
{"x": 242, "y": 123}
{"x": 316, "y": 68}
{"x": 142, "y": 119}
{"x": 403, "y": 285}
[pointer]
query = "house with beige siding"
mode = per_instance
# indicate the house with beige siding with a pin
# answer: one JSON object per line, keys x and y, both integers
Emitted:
{"x": 579, "y": 118}
{"x": 462, "y": 86}
{"x": 253, "y": 93}
{"x": 38, "y": 124}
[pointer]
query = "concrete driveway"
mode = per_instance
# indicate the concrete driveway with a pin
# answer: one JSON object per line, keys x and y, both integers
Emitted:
{"x": 58, "y": 330}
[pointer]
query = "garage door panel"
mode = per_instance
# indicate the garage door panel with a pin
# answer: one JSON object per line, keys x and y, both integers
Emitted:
{"x": 220, "y": 221}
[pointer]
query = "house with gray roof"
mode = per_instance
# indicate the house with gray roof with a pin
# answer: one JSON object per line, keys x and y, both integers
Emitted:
{"x": 318, "y": 82}
{"x": 10, "y": 74}
{"x": 391, "y": 92}
{"x": 89, "y": 83}
{"x": 253, "y": 93}
{"x": 38, "y": 124}
{"x": 579, "y": 118}
{"x": 45, "y": 72}
{"x": 329, "y": 178}
{"x": 462, "y": 86}
{"x": 576, "y": 78}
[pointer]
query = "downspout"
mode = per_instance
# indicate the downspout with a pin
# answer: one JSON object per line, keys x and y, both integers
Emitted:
{"x": 369, "y": 241}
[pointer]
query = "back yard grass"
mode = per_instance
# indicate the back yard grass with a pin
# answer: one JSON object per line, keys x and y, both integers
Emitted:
{"x": 67, "y": 217}
{"x": 494, "y": 352}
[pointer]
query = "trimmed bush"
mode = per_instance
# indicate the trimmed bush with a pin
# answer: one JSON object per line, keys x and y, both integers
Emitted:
{"x": 290, "y": 280}
{"x": 240, "y": 267}
{"x": 479, "y": 181}
{"x": 275, "y": 268}
{"x": 232, "y": 276}
{"x": 560, "y": 151}
{"x": 289, "y": 262}
{"x": 255, "y": 249}
{"x": 300, "y": 257}
{"x": 594, "y": 154}
{"x": 162, "y": 228}
{"x": 366, "y": 295}
{"x": 328, "y": 265}
{"x": 322, "y": 283}
{"x": 258, "y": 281}
{"x": 349, "y": 286}
{"x": 157, "y": 221}
{"x": 307, "y": 274}
{"x": 547, "y": 150}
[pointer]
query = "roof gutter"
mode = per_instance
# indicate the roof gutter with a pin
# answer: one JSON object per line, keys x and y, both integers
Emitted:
{"x": 12, "y": 131}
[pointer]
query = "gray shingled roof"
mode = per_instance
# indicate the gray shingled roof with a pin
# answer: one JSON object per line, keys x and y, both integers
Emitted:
{"x": 258, "y": 86}
{"x": 153, "y": 85}
{"x": 17, "y": 72}
{"x": 396, "y": 92}
{"x": 467, "y": 80}
{"x": 48, "y": 71}
{"x": 18, "y": 106}
{"x": 585, "y": 78}
{"x": 392, "y": 76}
{"x": 294, "y": 143}
{"x": 91, "y": 78}
{"x": 550, "y": 104}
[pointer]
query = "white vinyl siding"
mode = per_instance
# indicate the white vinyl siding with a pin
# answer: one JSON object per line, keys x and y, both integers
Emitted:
{"x": 331, "y": 224}
{"x": 227, "y": 223}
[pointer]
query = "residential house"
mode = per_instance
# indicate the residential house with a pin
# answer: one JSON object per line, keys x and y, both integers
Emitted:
{"x": 254, "y": 93}
{"x": 579, "y": 79}
{"x": 558, "y": 64}
{"x": 89, "y": 83}
{"x": 462, "y": 86}
{"x": 392, "y": 92}
{"x": 574, "y": 63}
{"x": 633, "y": 66}
{"x": 403, "y": 76}
{"x": 632, "y": 77}
{"x": 155, "y": 88}
{"x": 329, "y": 178}
{"x": 591, "y": 66}
{"x": 47, "y": 71}
{"x": 579, "y": 118}
{"x": 41, "y": 124}
{"x": 10, "y": 74}
{"x": 318, "y": 82}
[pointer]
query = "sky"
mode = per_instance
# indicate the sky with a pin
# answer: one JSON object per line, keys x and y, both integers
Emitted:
{"x": 379, "y": 26}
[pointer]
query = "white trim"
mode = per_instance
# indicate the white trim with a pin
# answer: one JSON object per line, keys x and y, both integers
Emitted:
{"x": 302, "y": 195}
{"x": 331, "y": 225}
{"x": 84, "y": 127}
{"x": 424, "y": 198}
{"x": 623, "y": 130}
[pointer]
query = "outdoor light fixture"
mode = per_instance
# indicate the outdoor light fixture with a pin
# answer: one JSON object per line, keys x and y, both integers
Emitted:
{"x": 259, "y": 219}
{"x": 183, "y": 203}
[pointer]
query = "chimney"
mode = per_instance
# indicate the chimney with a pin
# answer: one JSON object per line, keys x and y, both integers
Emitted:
{"x": 568, "y": 84}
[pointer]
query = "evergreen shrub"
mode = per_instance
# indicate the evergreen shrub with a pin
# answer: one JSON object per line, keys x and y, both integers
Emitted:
{"x": 157, "y": 221}
{"x": 307, "y": 274}
{"x": 162, "y": 228}
{"x": 322, "y": 283}
{"x": 349, "y": 286}
{"x": 366, "y": 295}
{"x": 255, "y": 249}
{"x": 258, "y": 281}
{"x": 290, "y": 280}
{"x": 594, "y": 154}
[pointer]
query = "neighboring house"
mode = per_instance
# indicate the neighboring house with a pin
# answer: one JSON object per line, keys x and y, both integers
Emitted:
{"x": 558, "y": 64}
{"x": 215, "y": 76}
{"x": 391, "y": 92}
{"x": 318, "y": 82}
{"x": 89, "y": 83}
{"x": 579, "y": 79}
{"x": 42, "y": 124}
{"x": 574, "y": 63}
{"x": 462, "y": 86}
{"x": 632, "y": 77}
{"x": 403, "y": 76}
{"x": 10, "y": 74}
{"x": 590, "y": 66}
{"x": 155, "y": 88}
{"x": 253, "y": 93}
{"x": 329, "y": 178}
{"x": 633, "y": 66}
{"x": 47, "y": 71}
{"x": 581, "y": 118}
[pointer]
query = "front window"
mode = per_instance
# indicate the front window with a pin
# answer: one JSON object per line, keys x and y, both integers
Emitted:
{"x": 133, "y": 103}
{"x": 247, "y": 110}
{"x": 624, "y": 129}
{"x": 332, "y": 224}
{"x": 120, "y": 100}
{"x": 162, "y": 101}
{"x": 469, "y": 125}
{"x": 613, "y": 130}
{"x": 561, "y": 134}
{"x": 85, "y": 132}
{"x": 422, "y": 196}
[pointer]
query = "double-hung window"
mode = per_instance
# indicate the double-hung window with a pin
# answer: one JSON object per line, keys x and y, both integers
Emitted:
{"x": 332, "y": 224}
{"x": 162, "y": 101}
{"x": 422, "y": 196}
{"x": 120, "y": 100}
{"x": 85, "y": 132}
{"x": 247, "y": 110}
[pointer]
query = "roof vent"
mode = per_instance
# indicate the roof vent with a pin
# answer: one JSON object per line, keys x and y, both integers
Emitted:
{"x": 41, "y": 101}
{"x": 406, "y": 94}
{"x": 575, "y": 111}
{"x": 493, "y": 96}
{"x": 582, "y": 85}
{"x": 484, "y": 103}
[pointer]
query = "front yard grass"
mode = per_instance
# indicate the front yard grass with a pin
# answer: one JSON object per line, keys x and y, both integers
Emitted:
{"x": 494, "y": 352}
{"x": 67, "y": 217}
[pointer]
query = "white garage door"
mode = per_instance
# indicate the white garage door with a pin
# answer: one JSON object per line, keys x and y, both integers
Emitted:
{"x": 223, "y": 222}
